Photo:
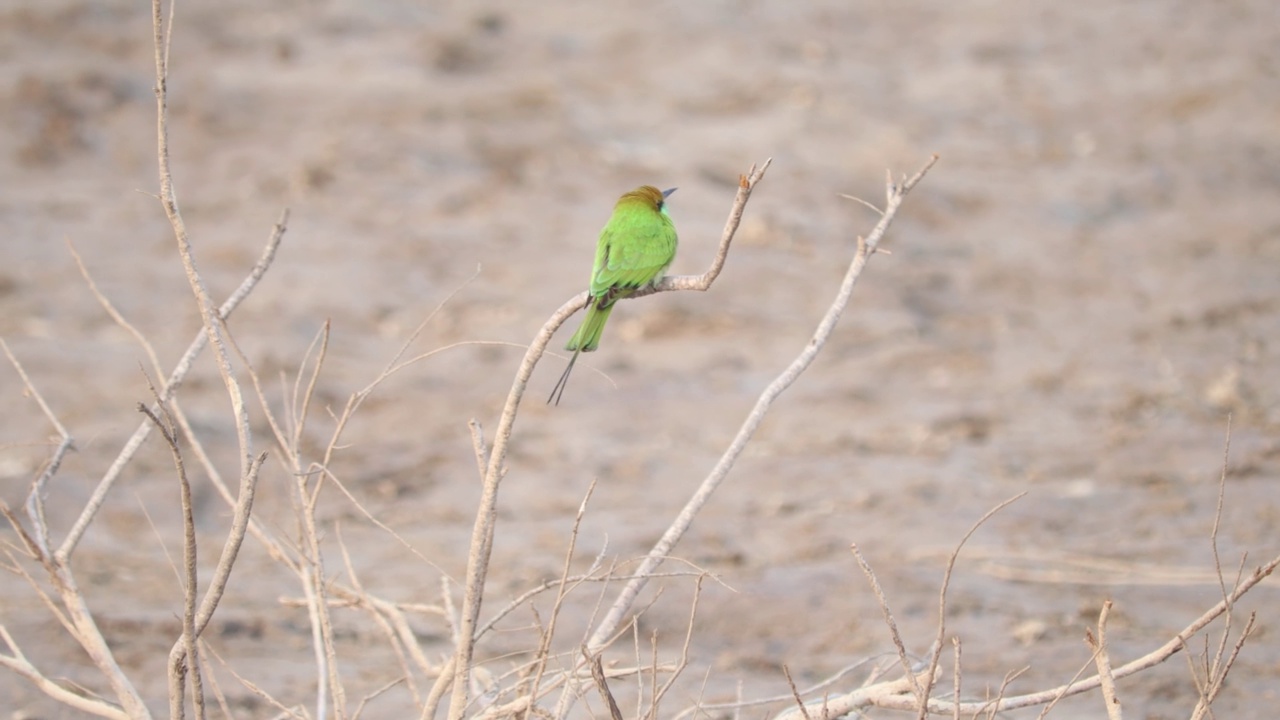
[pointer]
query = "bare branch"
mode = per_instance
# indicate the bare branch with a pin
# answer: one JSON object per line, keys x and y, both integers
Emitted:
{"x": 544, "y": 647}
{"x": 1004, "y": 685}
{"x": 38, "y": 540}
{"x": 183, "y": 659}
{"x": 1044, "y": 712}
{"x": 1102, "y": 657}
{"x": 597, "y": 674}
{"x": 18, "y": 663}
{"x": 955, "y": 681}
{"x": 661, "y": 692}
{"x": 804, "y": 712}
{"x": 907, "y": 669}
{"x": 214, "y": 324}
{"x": 477, "y": 442}
{"x": 1217, "y": 669}
{"x": 740, "y": 704}
{"x": 936, "y": 654}
{"x": 864, "y": 203}
{"x": 74, "y": 615}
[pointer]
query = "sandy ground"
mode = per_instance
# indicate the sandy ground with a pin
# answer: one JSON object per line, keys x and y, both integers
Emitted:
{"x": 1079, "y": 294}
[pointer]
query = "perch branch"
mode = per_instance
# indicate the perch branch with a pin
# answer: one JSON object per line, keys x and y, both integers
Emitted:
{"x": 613, "y": 619}
{"x": 866, "y": 247}
{"x": 482, "y": 532}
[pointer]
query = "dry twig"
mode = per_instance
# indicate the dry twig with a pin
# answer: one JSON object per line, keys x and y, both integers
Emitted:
{"x": 597, "y": 674}
{"x": 936, "y": 654}
{"x": 1216, "y": 671}
{"x": 1102, "y": 658}
{"x": 795, "y": 693}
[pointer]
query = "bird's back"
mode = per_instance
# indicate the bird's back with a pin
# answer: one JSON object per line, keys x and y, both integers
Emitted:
{"x": 637, "y": 245}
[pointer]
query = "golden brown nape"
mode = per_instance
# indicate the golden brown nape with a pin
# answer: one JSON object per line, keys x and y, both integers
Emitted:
{"x": 647, "y": 194}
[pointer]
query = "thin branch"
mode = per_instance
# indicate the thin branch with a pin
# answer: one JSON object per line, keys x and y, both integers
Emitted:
{"x": 362, "y": 599}
{"x": 738, "y": 705}
{"x": 1056, "y": 568}
{"x": 597, "y": 674}
{"x": 1216, "y": 672}
{"x": 908, "y": 671}
{"x": 195, "y": 620}
{"x": 804, "y": 712}
{"x": 444, "y": 681}
{"x": 956, "y": 675}
{"x": 213, "y": 321}
{"x": 39, "y": 540}
{"x": 187, "y": 661}
{"x": 298, "y": 418}
{"x": 477, "y": 442}
{"x": 590, "y": 576}
{"x": 112, "y": 312}
{"x": 77, "y": 619}
{"x": 1217, "y": 558}
{"x": 562, "y": 588}
{"x": 18, "y": 663}
{"x": 315, "y": 587}
{"x": 1220, "y": 681}
{"x": 87, "y": 633}
{"x": 864, "y": 203}
{"x": 1044, "y": 712}
{"x": 661, "y": 692}
{"x": 1102, "y": 658}
{"x": 241, "y": 513}
{"x": 936, "y": 655}
{"x": 1004, "y": 685}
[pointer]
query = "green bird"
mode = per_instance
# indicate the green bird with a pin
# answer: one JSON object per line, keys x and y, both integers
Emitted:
{"x": 635, "y": 248}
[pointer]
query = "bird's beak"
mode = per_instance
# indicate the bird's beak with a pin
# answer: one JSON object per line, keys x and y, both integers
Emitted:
{"x": 667, "y": 193}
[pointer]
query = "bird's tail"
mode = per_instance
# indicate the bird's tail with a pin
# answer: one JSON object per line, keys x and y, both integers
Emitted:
{"x": 557, "y": 392}
{"x": 587, "y": 338}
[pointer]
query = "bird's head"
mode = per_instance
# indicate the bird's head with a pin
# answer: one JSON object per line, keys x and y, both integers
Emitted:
{"x": 650, "y": 196}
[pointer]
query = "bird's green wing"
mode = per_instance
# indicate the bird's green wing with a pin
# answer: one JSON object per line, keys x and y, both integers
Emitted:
{"x": 635, "y": 249}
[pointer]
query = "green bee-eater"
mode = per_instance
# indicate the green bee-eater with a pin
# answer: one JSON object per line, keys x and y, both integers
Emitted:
{"x": 635, "y": 248}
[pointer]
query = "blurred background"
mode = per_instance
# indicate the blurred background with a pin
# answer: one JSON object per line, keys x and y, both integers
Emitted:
{"x": 1080, "y": 293}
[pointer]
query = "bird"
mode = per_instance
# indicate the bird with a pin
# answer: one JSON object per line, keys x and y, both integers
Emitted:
{"x": 635, "y": 249}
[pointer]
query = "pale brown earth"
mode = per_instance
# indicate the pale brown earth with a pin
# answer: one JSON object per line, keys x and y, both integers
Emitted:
{"x": 1079, "y": 294}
